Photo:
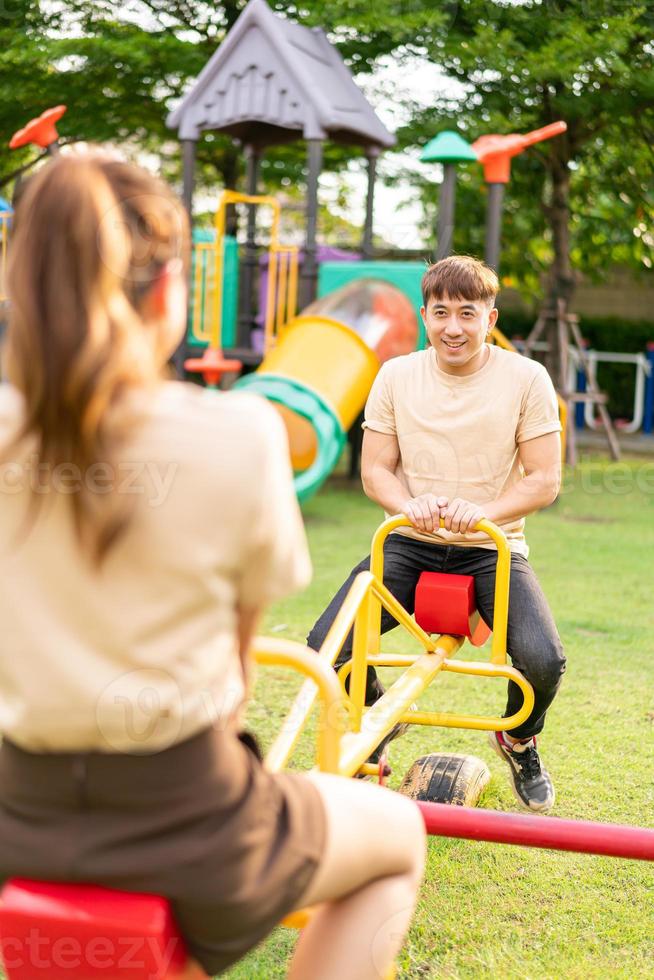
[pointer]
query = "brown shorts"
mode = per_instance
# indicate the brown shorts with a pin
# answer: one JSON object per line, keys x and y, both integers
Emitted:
{"x": 202, "y": 823}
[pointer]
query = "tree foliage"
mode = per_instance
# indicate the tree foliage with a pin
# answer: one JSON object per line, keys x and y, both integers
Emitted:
{"x": 578, "y": 202}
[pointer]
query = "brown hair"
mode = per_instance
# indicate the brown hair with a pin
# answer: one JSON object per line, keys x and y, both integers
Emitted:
{"x": 460, "y": 277}
{"x": 91, "y": 236}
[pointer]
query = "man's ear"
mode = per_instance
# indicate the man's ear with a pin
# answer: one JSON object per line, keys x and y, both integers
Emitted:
{"x": 492, "y": 318}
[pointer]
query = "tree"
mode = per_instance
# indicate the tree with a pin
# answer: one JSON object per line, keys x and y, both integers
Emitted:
{"x": 588, "y": 62}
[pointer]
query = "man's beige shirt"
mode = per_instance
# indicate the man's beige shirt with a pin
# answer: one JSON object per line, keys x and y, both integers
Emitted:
{"x": 144, "y": 652}
{"x": 459, "y": 436}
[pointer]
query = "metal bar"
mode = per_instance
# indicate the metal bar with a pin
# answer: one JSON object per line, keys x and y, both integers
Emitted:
{"x": 502, "y": 578}
{"x": 289, "y": 735}
{"x": 366, "y": 244}
{"x": 292, "y": 282}
{"x": 648, "y": 420}
{"x": 479, "y": 722}
{"x": 360, "y": 660}
{"x": 310, "y": 266}
{"x": 446, "y": 204}
{"x": 494, "y": 225}
{"x": 286, "y": 653}
{"x": 188, "y": 179}
{"x": 216, "y": 319}
{"x": 469, "y": 823}
{"x": 282, "y": 287}
{"x": 269, "y": 325}
{"x": 387, "y": 711}
{"x": 249, "y": 263}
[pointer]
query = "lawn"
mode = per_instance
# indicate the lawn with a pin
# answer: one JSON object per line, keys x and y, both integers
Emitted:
{"x": 489, "y": 911}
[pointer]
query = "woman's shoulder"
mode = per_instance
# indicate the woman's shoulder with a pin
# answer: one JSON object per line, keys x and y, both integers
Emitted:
{"x": 217, "y": 407}
{"x": 237, "y": 418}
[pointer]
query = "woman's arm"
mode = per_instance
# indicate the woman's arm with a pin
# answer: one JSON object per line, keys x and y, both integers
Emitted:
{"x": 248, "y": 621}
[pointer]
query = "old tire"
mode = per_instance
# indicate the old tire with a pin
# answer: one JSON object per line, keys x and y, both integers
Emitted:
{"x": 443, "y": 778}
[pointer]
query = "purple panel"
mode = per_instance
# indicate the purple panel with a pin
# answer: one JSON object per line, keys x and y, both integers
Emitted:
{"x": 325, "y": 253}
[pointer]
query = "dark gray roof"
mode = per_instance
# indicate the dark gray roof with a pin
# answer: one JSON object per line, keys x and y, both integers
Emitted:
{"x": 272, "y": 81}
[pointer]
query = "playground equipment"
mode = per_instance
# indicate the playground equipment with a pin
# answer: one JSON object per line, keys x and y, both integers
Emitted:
{"x": 41, "y": 131}
{"x": 282, "y": 289}
{"x": 6, "y": 214}
{"x": 272, "y": 81}
{"x": 322, "y": 366}
{"x": 84, "y": 930}
{"x": 643, "y": 392}
{"x": 495, "y": 153}
{"x": 443, "y": 604}
{"x": 448, "y": 149}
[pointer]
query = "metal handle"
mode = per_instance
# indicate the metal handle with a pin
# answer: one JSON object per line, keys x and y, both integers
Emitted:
{"x": 502, "y": 574}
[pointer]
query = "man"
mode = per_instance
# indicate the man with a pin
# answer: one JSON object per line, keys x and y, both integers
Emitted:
{"x": 463, "y": 431}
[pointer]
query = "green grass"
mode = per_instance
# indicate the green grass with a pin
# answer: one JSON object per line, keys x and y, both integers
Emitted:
{"x": 488, "y": 911}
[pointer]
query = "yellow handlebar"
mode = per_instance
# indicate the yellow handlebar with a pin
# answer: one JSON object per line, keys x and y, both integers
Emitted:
{"x": 287, "y": 653}
{"x": 502, "y": 575}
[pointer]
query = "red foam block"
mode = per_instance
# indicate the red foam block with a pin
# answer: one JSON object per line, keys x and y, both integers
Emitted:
{"x": 79, "y": 932}
{"x": 446, "y": 604}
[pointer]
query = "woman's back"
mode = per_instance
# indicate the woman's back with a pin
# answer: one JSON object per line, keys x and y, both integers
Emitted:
{"x": 141, "y": 651}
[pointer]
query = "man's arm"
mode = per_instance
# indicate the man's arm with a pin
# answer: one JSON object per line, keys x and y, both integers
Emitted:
{"x": 380, "y": 455}
{"x": 541, "y": 461}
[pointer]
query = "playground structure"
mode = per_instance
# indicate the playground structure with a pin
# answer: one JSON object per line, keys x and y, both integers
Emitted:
{"x": 86, "y": 914}
{"x": 6, "y": 214}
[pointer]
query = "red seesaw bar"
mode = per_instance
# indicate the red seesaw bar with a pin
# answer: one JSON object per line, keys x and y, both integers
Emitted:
{"x": 610, "y": 839}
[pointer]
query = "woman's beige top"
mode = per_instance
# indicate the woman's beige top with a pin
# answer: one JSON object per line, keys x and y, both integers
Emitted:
{"x": 143, "y": 653}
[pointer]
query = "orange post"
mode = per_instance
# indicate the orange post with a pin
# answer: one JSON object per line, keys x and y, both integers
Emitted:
{"x": 495, "y": 152}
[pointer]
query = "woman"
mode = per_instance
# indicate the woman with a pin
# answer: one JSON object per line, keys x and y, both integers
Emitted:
{"x": 144, "y": 526}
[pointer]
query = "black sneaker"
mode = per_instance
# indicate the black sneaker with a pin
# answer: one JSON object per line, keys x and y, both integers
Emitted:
{"x": 532, "y": 785}
{"x": 396, "y": 731}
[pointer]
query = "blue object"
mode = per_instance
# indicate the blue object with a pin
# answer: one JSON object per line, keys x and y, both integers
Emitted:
{"x": 579, "y": 407}
{"x": 648, "y": 414}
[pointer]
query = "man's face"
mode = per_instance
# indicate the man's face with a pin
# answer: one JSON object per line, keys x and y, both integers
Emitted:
{"x": 457, "y": 330}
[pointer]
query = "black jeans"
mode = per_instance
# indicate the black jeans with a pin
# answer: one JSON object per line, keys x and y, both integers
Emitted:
{"x": 533, "y": 643}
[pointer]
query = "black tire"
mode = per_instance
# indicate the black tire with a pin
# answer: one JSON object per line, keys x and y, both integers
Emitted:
{"x": 443, "y": 778}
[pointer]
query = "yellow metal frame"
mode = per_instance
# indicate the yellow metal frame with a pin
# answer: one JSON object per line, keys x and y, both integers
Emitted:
{"x": 362, "y": 610}
{"x": 282, "y": 292}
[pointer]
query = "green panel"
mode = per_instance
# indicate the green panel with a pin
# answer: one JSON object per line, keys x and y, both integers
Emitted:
{"x": 405, "y": 276}
{"x": 310, "y": 405}
{"x": 230, "y": 295}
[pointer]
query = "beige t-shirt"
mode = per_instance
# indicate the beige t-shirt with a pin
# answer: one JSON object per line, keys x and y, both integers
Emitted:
{"x": 459, "y": 436}
{"x": 143, "y": 653}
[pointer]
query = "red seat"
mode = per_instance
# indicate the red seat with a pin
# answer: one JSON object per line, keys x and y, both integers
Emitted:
{"x": 446, "y": 604}
{"x": 54, "y": 931}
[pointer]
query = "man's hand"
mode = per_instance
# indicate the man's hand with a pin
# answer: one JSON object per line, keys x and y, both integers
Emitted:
{"x": 461, "y": 516}
{"x": 425, "y": 511}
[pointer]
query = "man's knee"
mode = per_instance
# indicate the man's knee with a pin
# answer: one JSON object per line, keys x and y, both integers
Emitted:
{"x": 544, "y": 665}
